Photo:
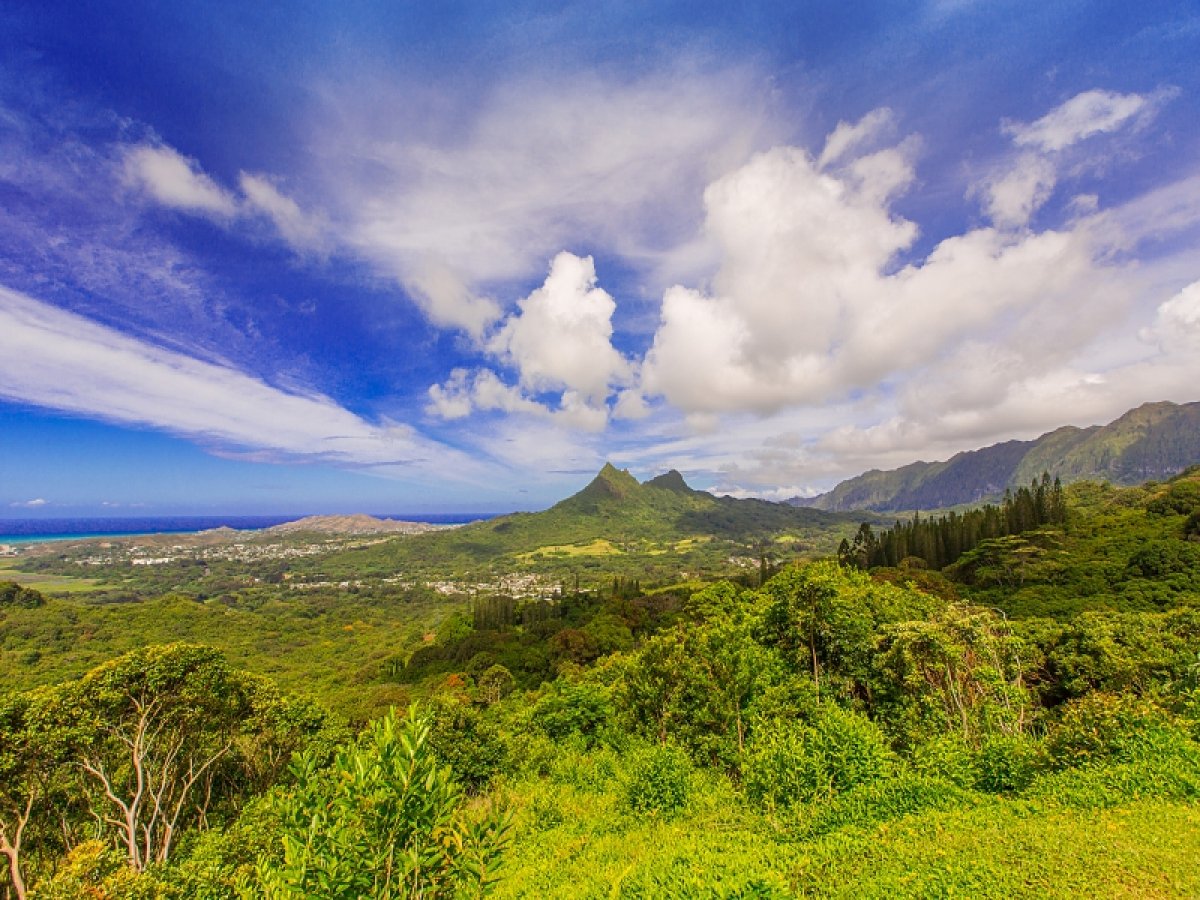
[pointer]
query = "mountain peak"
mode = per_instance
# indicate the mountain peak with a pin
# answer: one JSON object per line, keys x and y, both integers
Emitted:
{"x": 611, "y": 482}
{"x": 669, "y": 481}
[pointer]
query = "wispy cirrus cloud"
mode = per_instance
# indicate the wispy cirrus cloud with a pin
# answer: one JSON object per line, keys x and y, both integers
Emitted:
{"x": 172, "y": 180}
{"x": 480, "y": 197}
{"x": 61, "y": 361}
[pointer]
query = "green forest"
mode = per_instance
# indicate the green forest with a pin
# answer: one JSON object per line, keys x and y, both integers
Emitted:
{"x": 695, "y": 698}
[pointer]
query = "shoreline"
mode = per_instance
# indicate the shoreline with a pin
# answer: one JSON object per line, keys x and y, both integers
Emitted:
{"x": 30, "y": 532}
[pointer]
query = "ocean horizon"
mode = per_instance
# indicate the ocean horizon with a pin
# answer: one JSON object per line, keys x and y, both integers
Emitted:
{"x": 31, "y": 531}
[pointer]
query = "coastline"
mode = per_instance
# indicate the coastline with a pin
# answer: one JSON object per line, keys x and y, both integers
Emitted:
{"x": 19, "y": 533}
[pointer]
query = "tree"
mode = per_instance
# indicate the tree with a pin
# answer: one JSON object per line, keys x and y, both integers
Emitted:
{"x": 383, "y": 821}
{"x": 959, "y": 671}
{"x": 824, "y": 619}
{"x": 31, "y": 755}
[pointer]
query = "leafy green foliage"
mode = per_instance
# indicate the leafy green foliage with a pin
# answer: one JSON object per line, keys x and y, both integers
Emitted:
{"x": 790, "y": 762}
{"x": 382, "y": 821}
{"x": 658, "y": 780}
{"x": 13, "y": 594}
{"x": 826, "y": 732}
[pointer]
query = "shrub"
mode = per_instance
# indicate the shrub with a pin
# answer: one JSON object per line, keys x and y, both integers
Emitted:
{"x": 383, "y": 821}
{"x": 945, "y": 758}
{"x": 658, "y": 780}
{"x": 583, "y": 708}
{"x": 1007, "y": 764}
{"x": 788, "y": 762}
{"x": 469, "y": 744}
{"x": 1173, "y": 774}
{"x": 885, "y": 800}
{"x": 1117, "y": 727}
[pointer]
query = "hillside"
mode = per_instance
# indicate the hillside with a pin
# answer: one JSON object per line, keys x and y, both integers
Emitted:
{"x": 358, "y": 523}
{"x": 615, "y": 507}
{"x": 1156, "y": 440}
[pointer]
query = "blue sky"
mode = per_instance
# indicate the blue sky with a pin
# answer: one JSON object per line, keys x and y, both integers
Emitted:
{"x": 412, "y": 257}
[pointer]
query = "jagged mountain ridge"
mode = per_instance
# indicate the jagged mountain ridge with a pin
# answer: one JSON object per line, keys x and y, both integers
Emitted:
{"x": 1155, "y": 440}
{"x": 616, "y": 506}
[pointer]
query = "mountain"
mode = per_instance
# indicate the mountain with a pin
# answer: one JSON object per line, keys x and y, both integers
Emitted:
{"x": 634, "y": 526}
{"x": 615, "y": 505}
{"x": 1156, "y": 440}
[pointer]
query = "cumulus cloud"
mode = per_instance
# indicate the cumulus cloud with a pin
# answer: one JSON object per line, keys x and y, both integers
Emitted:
{"x": 802, "y": 255}
{"x": 560, "y": 338}
{"x": 1177, "y": 323}
{"x": 1021, "y": 185}
{"x": 1010, "y": 198}
{"x": 61, "y": 361}
{"x": 28, "y": 504}
{"x": 848, "y": 136}
{"x": 809, "y": 306}
{"x": 475, "y": 198}
{"x": 559, "y": 341}
{"x": 176, "y": 181}
{"x": 998, "y": 331}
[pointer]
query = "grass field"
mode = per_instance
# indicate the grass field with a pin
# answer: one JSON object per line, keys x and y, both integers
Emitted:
{"x": 47, "y": 584}
{"x": 575, "y": 843}
{"x": 598, "y": 547}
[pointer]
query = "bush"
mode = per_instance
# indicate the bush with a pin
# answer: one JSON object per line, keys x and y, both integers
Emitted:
{"x": 658, "y": 780}
{"x": 583, "y": 708}
{"x": 788, "y": 762}
{"x": 946, "y": 758}
{"x": 1008, "y": 764}
{"x": 1173, "y": 774}
{"x": 384, "y": 821}
{"x": 884, "y": 800}
{"x": 95, "y": 869}
{"x": 470, "y": 745}
{"x": 1111, "y": 727}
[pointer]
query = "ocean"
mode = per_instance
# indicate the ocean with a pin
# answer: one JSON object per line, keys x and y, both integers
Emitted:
{"x": 31, "y": 531}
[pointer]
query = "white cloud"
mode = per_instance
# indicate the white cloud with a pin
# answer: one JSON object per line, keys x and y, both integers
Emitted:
{"x": 1010, "y": 198}
{"x": 560, "y": 338}
{"x": 61, "y": 361}
{"x": 1177, "y": 323}
{"x": 808, "y": 307}
{"x": 802, "y": 257}
{"x": 459, "y": 201}
{"x": 559, "y": 341}
{"x": 850, "y": 136}
{"x": 298, "y": 228}
{"x": 29, "y": 504}
{"x": 996, "y": 332}
{"x": 481, "y": 390}
{"x": 1021, "y": 185}
{"x": 1084, "y": 115}
{"x": 176, "y": 181}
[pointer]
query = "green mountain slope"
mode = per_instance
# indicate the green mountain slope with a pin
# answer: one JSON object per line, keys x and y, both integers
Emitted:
{"x": 615, "y": 516}
{"x": 1156, "y": 440}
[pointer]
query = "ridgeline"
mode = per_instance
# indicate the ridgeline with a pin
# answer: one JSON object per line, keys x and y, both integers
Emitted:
{"x": 1154, "y": 441}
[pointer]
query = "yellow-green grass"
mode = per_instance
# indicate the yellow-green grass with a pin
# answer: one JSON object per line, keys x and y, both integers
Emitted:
{"x": 49, "y": 584}
{"x": 598, "y": 547}
{"x": 580, "y": 843}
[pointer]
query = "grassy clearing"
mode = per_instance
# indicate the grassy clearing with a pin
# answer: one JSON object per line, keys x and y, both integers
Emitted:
{"x": 598, "y": 547}
{"x": 576, "y": 841}
{"x": 47, "y": 584}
